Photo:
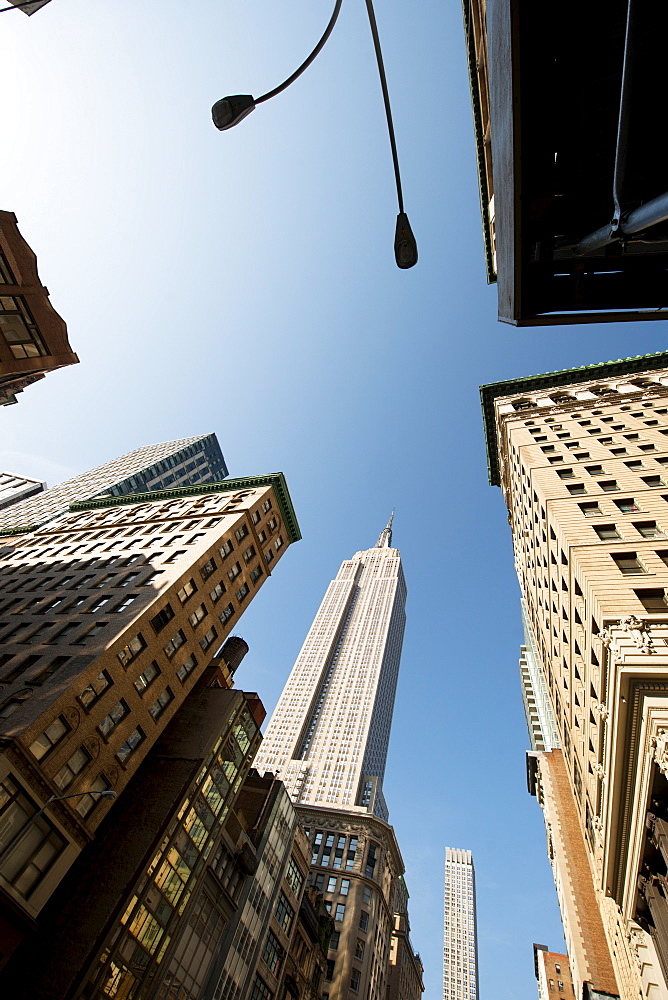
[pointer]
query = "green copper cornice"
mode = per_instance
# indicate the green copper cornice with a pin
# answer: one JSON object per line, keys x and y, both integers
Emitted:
{"x": 273, "y": 479}
{"x": 539, "y": 383}
{"x": 20, "y": 529}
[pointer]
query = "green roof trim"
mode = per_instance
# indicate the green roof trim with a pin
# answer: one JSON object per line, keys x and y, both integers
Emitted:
{"x": 20, "y": 529}
{"x": 273, "y": 479}
{"x": 538, "y": 383}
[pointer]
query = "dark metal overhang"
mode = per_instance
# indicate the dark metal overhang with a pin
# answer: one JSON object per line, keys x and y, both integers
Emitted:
{"x": 578, "y": 159}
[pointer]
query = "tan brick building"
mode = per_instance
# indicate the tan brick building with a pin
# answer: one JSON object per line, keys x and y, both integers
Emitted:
{"x": 109, "y": 616}
{"x": 581, "y": 458}
{"x": 553, "y": 974}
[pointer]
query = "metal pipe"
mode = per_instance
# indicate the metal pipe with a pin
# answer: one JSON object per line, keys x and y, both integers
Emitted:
{"x": 623, "y": 120}
{"x": 650, "y": 214}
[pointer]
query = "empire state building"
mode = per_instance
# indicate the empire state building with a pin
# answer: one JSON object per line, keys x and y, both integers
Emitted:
{"x": 327, "y": 739}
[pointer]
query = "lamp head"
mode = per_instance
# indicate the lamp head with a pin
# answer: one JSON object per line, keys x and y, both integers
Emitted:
{"x": 230, "y": 111}
{"x": 405, "y": 247}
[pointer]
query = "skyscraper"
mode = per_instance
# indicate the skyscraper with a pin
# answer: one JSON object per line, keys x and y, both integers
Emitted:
{"x": 460, "y": 949}
{"x": 581, "y": 457}
{"x": 327, "y": 739}
{"x": 184, "y": 462}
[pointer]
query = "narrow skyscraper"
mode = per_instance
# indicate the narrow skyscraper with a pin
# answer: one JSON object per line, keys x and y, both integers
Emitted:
{"x": 460, "y": 950}
{"x": 328, "y": 737}
{"x": 327, "y": 741}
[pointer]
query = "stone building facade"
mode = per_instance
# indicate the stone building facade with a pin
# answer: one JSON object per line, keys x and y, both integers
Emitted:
{"x": 109, "y": 616}
{"x": 406, "y": 969}
{"x": 553, "y": 974}
{"x": 581, "y": 457}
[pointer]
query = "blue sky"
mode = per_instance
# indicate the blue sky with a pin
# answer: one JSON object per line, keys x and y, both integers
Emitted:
{"x": 244, "y": 283}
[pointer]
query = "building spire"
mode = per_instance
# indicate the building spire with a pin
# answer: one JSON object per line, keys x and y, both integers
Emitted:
{"x": 385, "y": 537}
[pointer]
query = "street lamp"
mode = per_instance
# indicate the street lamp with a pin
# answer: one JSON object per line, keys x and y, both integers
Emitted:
{"x": 109, "y": 792}
{"x": 229, "y": 111}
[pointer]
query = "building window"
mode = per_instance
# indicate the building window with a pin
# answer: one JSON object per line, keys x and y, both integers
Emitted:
{"x": 627, "y": 506}
{"x": 648, "y": 529}
{"x": 608, "y": 485}
{"x": 133, "y": 741}
{"x": 256, "y": 574}
{"x": 260, "y": 990}
{"x": 329, "y": 975}
{"x": 565, "y": 473}
{"x": 334, "y": 941}
{"x": 606, "y": 532}
{"x": 294, "y": 877}
{"x": 278, "y": 544}
{"x": 226, "y": 548}
{"x": 345, "y": 886}
{"x": 256, "y": 517}
{"x": 284, "y": 913}
{"x": 197, "y": 616}
{"x": 364, "y": 920}
{"x": 595, "y": 470}
{"x": 217, "y": 592}
{"x": 187, "y": 591}
{"x": 50, "y": 738}
{"x": 234, "y": 571}
{"x": 371, "y": 860}
{"x": 133, "y": 649}
{"x": 272, "y": 953}
{"x": 243, "y": 592}
{"x": 183, "y": 672}
{"x": 359, "y": 950}
{"x": 227, "y": 613}
{"x": 111, "y": 720}
{"x": 96, "y": 687}
{"x": 161, "y": 703}
{"x": 366, "y": 894}
{"x": 340, "y": 911}
{"x": 266, "y": 506}
{"x": 75, "y": 765}
{"x": 174, "y": 643}
{"x": 25, "y": 864}
{"x": 162, "y": 618}
{"x": 208, "y": 639}
{"x": 653, "y": 599}
{"x": 146, "y": 678}
{"x": 208, "y": 568}
{"x": 241, "y": 532}
{"x": 355, "y": 977}
{"x": 331, "y": 883}
{"x": 653, "y": 481}
{"x": 272, "y": 524}
{"x": 87, "y": 802}
{"x": 577, "y": 489}
{"x": 663, "y": 556}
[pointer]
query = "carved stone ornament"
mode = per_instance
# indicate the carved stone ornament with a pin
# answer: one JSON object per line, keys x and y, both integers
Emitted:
{"x": 638, "y": 631}
{"x": 602, "y": 711}
{"x": 636, "y": 939}
{"x": 598, "y": 770}
{"x": 112, "y": 775}
{"x": 72, "y": 716}
{"x": 605, "y": 636}
{"x": 92, "y": 745}
{"x": 659, "y": 745}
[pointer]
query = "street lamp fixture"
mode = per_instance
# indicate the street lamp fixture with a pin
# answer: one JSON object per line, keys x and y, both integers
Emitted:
{"x": 229, "y": 111}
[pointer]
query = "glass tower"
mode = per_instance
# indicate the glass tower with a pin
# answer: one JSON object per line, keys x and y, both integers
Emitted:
{"x": 184, "y": 462}
{"x": 460, "y": 950}
{"x": 327, "y": 739}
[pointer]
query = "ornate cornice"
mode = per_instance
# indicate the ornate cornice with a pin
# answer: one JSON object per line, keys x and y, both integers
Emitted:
{"x": 541, "y": 383}
{"x": 274, "y": 479}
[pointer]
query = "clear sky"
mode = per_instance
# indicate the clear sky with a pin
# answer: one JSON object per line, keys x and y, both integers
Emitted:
{"x": 244, "y": 283}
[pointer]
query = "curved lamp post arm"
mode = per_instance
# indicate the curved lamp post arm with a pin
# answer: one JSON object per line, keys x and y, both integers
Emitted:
{"x": 309, "y": 59}
{"x": 229, "y": 111}
{"x": 405, "y": 246}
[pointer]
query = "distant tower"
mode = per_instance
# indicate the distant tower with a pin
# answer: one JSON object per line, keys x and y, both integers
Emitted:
{"x": 327, "y": 739}
{"x": 460, "y": 950}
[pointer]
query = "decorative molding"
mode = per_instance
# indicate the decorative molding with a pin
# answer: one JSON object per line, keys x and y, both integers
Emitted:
{"x": 659, "y": 746}
{"x": 274, "y": 479}
{"x": 639, "y": 632}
